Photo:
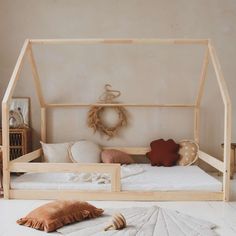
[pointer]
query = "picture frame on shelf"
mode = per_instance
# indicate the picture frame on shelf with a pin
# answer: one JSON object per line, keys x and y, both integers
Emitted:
{"x": 19, "y": 112}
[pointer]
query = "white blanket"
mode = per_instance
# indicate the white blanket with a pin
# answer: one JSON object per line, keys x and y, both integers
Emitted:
{"x": 145, "y": 221}
{"x": 104, "y": 178}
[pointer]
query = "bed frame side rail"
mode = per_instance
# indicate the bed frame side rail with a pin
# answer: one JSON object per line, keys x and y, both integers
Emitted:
{"x": 112, "y": 169}
{"x": 29, "y": 156}
{"x": 212, "y": 161}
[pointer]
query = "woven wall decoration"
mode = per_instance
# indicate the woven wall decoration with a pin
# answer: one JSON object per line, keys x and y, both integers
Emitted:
{"x": 95, "y": 115}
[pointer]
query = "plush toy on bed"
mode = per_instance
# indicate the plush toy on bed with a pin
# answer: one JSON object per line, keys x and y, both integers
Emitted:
{"x": 163, "y": 153}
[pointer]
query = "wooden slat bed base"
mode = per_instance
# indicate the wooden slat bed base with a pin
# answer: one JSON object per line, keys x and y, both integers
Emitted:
{"x": 118, "y": 196}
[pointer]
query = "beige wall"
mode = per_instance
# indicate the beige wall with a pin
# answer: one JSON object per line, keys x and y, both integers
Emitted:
{"x": 142, "y": 74}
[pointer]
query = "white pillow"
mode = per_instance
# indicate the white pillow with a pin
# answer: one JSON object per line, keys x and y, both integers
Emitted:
{"x": 85, "y": 152}
{"x": 56, "y": 152}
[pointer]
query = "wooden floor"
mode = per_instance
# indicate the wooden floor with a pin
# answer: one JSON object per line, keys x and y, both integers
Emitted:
{"x": 221, "y": 213}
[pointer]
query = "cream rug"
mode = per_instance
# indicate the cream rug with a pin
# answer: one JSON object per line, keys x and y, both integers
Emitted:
{"x": 145, "y": 221}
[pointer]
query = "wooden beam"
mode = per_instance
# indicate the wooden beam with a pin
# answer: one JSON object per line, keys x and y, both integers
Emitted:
{"x": 5, "y": 149}
{"x": 112, "y": 169}
{"x": 202, "y": 78}
{"x": 36, "y": 77}
{"x": 199, "y": 97}
{"x": 120, "y": 41}
{"x": 117, "y": 196}
{"x": 29, "y": 156}
{"x": 196, "y": 128}
{"x": 51, "y": 105}
{"x": 227, "y": 120}
{"x": 219, "y": 75}
{"x": 16, "y": 72}
{"x": 212, "y": 161}
{"x": 115, "y": 179}
{"x": 5, "y": 117}
{"x": 43, "y": 124}
{"x": 62, "y": 167}
{"x": 131, "y": 150}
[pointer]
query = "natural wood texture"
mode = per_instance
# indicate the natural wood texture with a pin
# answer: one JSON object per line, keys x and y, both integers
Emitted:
{"x": 119, "y": 41}
{"x": 119, "y": 105}
{"x": 227, "y": 119}
{"x": 1, "y": 173}
{"x": 29, "y": 156}
{"x": 62, "y": 167}
{"x": 199, "y": 97}
{"x": 232, "y": 159}
{"x": 219, "y": 165}
{"x": 5, "y": 149}
{"x": 43, "y": 125}
{"x": 36, "y": 77}
{"x": 118, "y": 196}
{"x": 232, "y": 163}
{"x": 15, "y": 75}
{"x": 5, "y": 117}
{"x": 113, "y": 169}
{"x": 196, "y": 125}
{"x": 115, "y": 179}
{"x": 202, "y": 78}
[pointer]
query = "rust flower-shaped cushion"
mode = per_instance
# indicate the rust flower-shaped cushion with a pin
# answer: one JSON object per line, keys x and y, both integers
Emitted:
{"x": 163, "y": 153}
{"x": 54, "y": 215}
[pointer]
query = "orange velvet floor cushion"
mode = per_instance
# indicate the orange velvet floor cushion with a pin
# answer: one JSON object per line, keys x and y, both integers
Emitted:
{"x": 56, "y": 214}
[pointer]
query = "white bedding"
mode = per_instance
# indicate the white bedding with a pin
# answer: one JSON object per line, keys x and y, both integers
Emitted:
{"x": 149, "y": 179}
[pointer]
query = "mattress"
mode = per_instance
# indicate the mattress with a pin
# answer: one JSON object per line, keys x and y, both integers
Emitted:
{"x": 152, "y": 178}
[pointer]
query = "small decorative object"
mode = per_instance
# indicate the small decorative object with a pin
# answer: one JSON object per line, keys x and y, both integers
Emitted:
{"x": 163, "y": 153}
{"x": 116, "y": 156}
{"x": 95, "y": 115}
{"x": 118, "y": 222}
{"x": 15, "y": 119}
{"x": 19, "y": 113}
{"x": 188, "y": 152}
{"x": 85, "y": 151}
{"x": 54, "y": 215}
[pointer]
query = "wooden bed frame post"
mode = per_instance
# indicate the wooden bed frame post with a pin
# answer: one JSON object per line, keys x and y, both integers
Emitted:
{"x": 5, "y": 118}
{"x": 227, "y": 120}
{"x": 5, "y": 149}
{"x": 43, "y": 126}
{"x": 39, "y": 93}
{"x": 199, "y": 97}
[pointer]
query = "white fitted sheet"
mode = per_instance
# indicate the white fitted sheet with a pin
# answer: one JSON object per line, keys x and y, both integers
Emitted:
{"x": 151, "y": 179}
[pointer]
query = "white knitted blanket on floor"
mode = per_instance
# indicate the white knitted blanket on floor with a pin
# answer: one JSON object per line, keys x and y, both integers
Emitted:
{"x": 145, "y": 221}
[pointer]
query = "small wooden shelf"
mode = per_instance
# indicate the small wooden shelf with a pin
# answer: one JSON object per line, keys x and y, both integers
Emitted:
{"x": 20, "y": 142}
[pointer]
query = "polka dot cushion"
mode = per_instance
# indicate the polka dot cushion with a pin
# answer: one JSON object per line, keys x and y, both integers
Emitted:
{"x": 188, "y": 152}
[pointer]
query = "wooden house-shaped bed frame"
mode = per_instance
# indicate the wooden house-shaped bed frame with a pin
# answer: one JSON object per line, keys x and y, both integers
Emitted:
{"x": 24, "y": 164}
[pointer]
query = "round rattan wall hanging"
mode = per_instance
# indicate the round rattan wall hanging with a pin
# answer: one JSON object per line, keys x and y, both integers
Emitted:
{"x": 95, "y": 115}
